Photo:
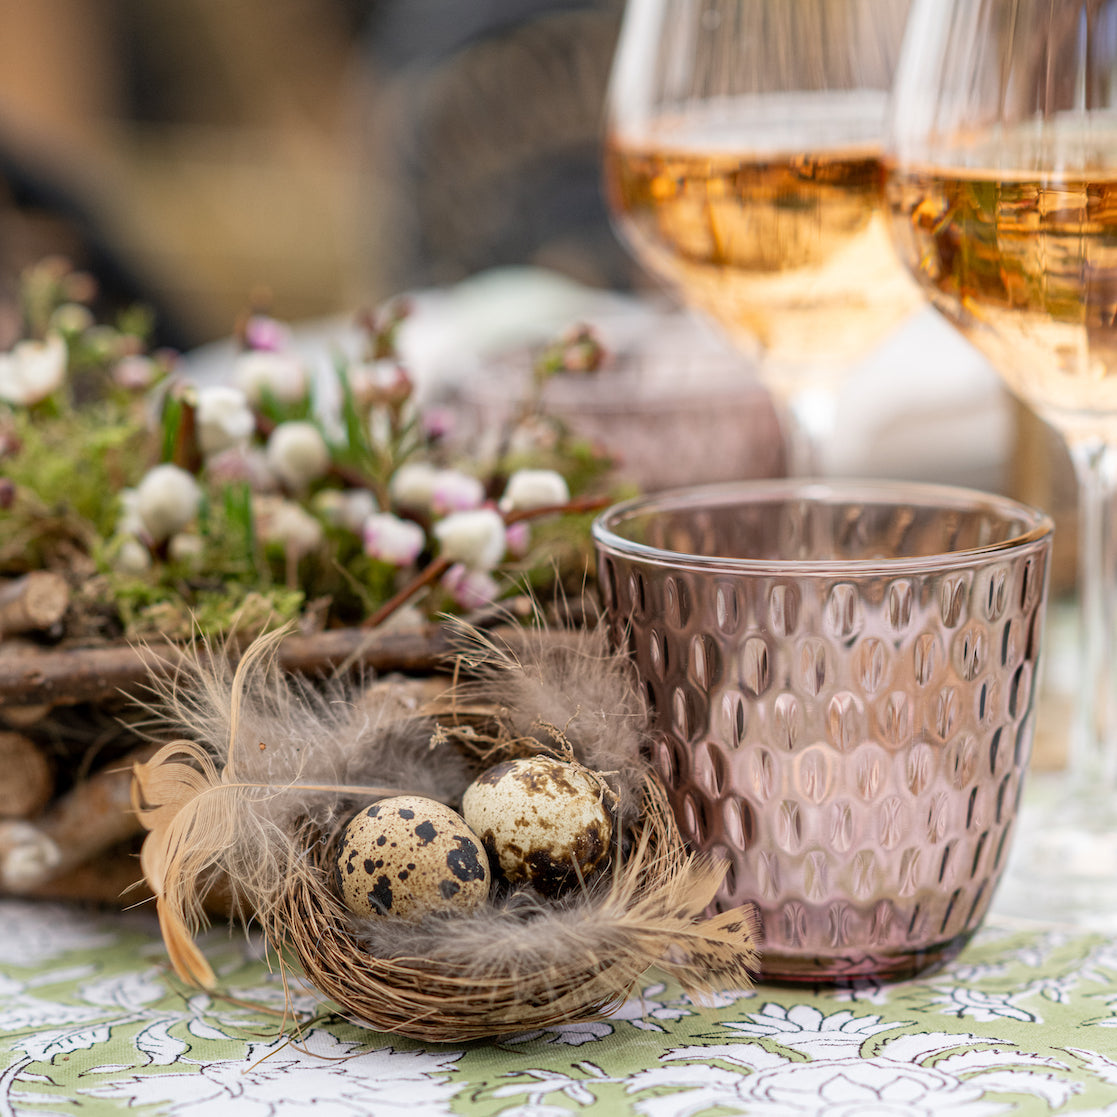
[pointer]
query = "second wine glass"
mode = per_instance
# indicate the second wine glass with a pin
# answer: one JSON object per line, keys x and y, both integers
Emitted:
{"x": 743, "y": 165}
{"x": 1003, "y": 155}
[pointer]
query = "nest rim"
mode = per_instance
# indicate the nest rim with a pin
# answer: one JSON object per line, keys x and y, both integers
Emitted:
{"x": 434, "y": 999}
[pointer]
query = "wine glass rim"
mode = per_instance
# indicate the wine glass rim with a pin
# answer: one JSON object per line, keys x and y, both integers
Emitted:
{"x": 608, "y": 527}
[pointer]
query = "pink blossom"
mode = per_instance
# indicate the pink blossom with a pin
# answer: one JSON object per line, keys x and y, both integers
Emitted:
{"x": 454, "y": 491}
{"x": 438, "y": 422}
{"x": 470, "y": 589}
{"x": 242, "y": 464}
{"x": 517, "y": 537}
{"x": 135, "y": 373}
{"x": 393, "y": 540}
{"x": 262, "y": 332}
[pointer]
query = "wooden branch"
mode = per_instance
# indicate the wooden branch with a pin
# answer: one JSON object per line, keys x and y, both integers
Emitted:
{"x": 68, "y": 676}
{"x": 27, "y": 782}
{"x": 34, "y": 602}
{"x": 23, "y": 717}
{"x": 76, "y": 829}
{"x": 112, "y": 880}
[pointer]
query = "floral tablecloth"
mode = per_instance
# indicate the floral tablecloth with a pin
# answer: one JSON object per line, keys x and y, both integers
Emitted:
{"x": 92, "y": 1022}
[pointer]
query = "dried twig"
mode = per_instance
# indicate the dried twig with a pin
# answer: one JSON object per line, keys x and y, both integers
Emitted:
{"x": 34, "y": 602}
{"x": 64, "y": 677}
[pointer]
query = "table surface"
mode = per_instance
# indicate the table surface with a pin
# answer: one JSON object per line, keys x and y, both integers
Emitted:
{"x": 92, "y": 1021}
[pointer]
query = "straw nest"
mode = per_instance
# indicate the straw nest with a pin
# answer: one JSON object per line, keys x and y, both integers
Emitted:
{"x": 253, "y": 796}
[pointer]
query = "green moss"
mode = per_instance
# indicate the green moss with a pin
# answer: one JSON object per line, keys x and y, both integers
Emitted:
{"x": 78, "y": 462}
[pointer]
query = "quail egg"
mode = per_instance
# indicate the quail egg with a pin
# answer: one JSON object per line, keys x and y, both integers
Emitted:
{"x": 409, "y": 857}
{"x": 543, "y": 821}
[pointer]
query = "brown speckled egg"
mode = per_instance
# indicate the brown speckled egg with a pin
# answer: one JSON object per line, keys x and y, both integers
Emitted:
{"x": 408, "y": 857}
{"x": 538, "y": 818}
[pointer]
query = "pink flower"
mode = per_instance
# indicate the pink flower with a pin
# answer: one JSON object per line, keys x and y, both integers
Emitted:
{"x": 242, "y": 464}
{"x": 135, "y": 373}
{"x": 470, "y": 589}
{"x": 393, "y": 540}
{"x": 262, "y": 332}
{"x": 453, "y": 491}
{"x": 518, "y": 538}
{"x": 438, "y": 422}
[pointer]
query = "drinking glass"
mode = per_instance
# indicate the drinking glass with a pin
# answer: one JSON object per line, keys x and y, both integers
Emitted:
{"x": 1003, "y": 190}
{"x": 743, "y": 167}
{"x": 842, "y": 675}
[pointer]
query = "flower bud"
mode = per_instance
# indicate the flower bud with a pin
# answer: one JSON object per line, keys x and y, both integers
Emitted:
{"x": 412, "y": 484}
{"x": 167, "y": 499}
{"x": 393, "y": 540}
{"x": 517, "y": 538}
{"x": 288, "y": 524}
{"x": 475, "y": 538}
{"x": 135, "y": 373}
{"x": 260, "y": 371}
{"x": 471, "y": 589}
{"x": 131, "y": 557}
{"x": 348, "y": 509}
{"x": 262, "y": 332}
{"x": 223, "y": 419}
{"x": 454, "y": 491}
{"x": 381, "y": 383}
{"x": 534, "y": 488}
{"x": 297, "y": 454}
{"x": 33, "y": 370}
{"x": 242, "y": 465}
{"x": 186, "y": 547}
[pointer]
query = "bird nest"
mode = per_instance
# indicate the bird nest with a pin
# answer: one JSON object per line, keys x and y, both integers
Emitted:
{"x": 254, "y": 801}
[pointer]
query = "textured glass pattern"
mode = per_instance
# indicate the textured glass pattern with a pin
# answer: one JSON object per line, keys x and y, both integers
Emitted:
{"x": 843, "y": 680}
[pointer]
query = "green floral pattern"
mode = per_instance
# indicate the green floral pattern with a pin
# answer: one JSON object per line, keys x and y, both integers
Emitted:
{"x": 92, "y": 1022}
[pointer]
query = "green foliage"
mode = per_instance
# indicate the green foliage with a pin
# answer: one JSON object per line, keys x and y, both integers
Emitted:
{"x": 78, "y": 462}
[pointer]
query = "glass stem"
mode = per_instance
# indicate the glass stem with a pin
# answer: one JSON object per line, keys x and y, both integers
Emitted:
{"x": 1093, "y": 746}
{"x": 809, "y": 418}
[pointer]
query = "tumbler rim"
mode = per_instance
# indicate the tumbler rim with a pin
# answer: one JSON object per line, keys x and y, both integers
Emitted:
{"x": 608, "y": 537}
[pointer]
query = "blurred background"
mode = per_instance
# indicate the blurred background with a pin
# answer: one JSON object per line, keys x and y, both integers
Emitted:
{"x": 310, "y": 157}
{"x": 306, "y": 154}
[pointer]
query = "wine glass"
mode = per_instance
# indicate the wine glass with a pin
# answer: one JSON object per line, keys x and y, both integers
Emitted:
{"x": 743, "y": 167}
{"x": 1003, "y": 189}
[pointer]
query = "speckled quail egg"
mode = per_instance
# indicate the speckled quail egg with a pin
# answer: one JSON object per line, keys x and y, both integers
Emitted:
{"x": 542, "y": 820}
{"x": 409, "y": 857}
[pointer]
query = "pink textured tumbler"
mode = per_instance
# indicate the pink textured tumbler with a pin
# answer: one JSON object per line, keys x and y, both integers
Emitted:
{"x": 843, "y": 676}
